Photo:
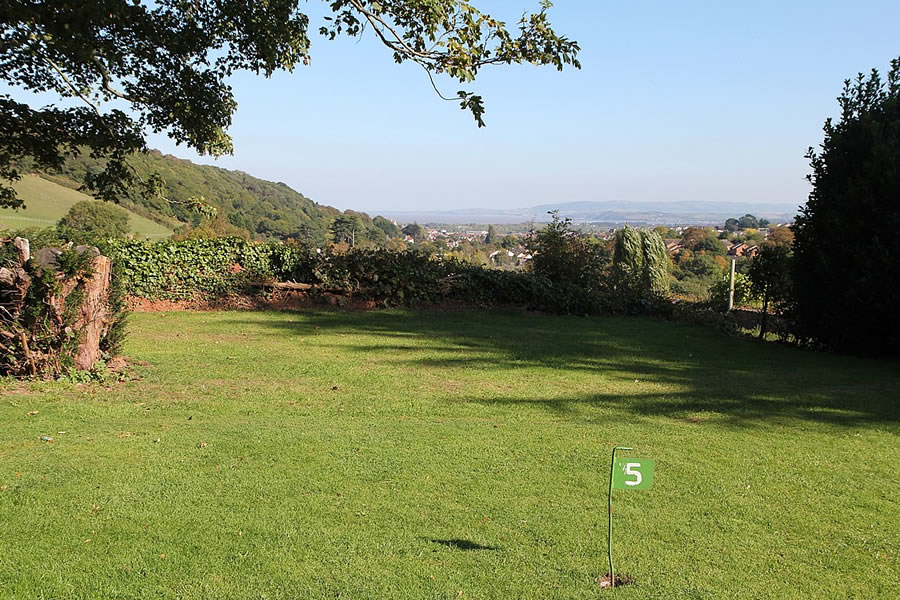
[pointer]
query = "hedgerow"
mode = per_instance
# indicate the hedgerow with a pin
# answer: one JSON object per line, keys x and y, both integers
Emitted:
{"x": 219, "y": 267}
{"x": 212, "y": 267}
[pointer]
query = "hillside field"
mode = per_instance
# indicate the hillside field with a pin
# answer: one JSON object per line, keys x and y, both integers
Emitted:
{"x": 452, "y": 455}
{"x": 46, "y": 203}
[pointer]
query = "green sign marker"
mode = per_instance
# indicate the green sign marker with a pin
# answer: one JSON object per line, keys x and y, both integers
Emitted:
{"x": 632, "y": 474}
{"x": 625, "y": 474}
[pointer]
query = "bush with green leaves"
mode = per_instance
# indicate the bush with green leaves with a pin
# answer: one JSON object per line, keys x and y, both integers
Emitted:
{"x": 771, "y": 279}
{"x": 563, "y": 256}
{"x": 219, "y": 267}
{"x": 743, "y": 291}
{"x": 101, "y": 219}
{"x": 215, "y": 267}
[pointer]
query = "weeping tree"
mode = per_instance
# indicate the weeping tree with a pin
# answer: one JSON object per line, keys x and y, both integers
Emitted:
{"x": 655, "y": 274}
{"x": 640, "y": 263}
{"x": 628, "y": 259}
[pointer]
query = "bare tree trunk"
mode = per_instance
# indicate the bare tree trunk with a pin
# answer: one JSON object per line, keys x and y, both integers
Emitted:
{"x": 765, "y": 314}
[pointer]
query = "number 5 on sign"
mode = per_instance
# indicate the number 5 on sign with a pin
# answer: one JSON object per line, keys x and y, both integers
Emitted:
{"x": 632, "y": 474}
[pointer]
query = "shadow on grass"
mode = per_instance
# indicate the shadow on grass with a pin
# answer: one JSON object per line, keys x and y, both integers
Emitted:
{"x": 457, "y": 544}
{"x": 698, "y": 370}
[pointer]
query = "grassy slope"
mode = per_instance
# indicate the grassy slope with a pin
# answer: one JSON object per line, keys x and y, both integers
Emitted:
{"x": 462, "y": 455}
{"x": 47, "y": 202}
{"x": 254, "y": 204}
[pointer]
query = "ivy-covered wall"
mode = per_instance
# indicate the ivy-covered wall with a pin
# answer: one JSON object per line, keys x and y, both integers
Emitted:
{"x": 219, "y": 267}
{"x": 186, "y": 269}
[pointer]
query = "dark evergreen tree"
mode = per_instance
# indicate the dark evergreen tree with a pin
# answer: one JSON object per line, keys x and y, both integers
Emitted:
{"x": 491, "y": 238}
{"x": 346, "y": 228}
{"x": 416, "y": 232}
{"x": 847, "y": 245}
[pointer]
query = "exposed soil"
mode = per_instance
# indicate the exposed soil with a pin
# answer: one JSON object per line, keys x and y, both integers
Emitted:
{"x": 285, "y": 300}
{"x": 118, "y": 364}
{"x": 621, "y": 579}
{"x": 292, "y": 300}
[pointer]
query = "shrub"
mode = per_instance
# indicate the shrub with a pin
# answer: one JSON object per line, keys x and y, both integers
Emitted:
{"x": 743, "y": 292}
{"x": 96, "y": 218}
{"x": 562, "y": 256}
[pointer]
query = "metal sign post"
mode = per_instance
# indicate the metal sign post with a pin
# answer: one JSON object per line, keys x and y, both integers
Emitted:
{"x": 625, "y": 474}
{"x": 731, "y": 287}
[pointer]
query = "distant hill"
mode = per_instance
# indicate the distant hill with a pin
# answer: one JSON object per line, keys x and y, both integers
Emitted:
{"x": 668, "y": 213}
{"x": 609, "y": 212}
{"x": 46, "y": 202}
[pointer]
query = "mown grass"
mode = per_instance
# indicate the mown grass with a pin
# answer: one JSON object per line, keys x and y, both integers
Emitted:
{"x": 47, "y": 202}
{"x": 450, "y": 455}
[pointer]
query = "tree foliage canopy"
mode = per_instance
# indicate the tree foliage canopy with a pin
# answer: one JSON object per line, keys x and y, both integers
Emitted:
{"x": 262, "y": 209}
{"x": 166, "y": 63}
{"x": 415, "y": 231}
{"x": 345, "y": 228}
{"x": 846, "y": 248}
{"x": 705, "y": 239}
{"x": 389, "y": 228}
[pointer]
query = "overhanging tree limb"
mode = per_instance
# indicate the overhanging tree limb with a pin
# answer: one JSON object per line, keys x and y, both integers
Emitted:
{"x": 170, "y": 59}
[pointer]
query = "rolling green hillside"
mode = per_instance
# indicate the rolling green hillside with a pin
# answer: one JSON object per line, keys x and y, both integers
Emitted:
{"x": 47, "y": 202}
{"x": 263, "y": 208}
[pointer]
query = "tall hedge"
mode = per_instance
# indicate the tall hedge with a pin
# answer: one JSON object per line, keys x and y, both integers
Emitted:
{"x": 218, "y": 267}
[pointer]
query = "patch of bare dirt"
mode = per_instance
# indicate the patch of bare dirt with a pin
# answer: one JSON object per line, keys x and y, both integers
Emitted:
{"x": 605, "y": 582}
{"x": 284, "y": 300}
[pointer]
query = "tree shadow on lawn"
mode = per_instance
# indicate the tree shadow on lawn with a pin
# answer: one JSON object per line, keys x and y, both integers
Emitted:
{"x": 458, "y": 544}
{"x": 742, "y": 380}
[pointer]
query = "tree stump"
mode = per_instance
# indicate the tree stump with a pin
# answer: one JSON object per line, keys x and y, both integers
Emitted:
{"x": 93, "y": 317}
{"x": 50, "y": 319}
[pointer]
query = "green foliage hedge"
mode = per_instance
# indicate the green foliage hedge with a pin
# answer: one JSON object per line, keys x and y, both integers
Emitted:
{"x": 186, "y": 269}
{"x": 219, "y": 267}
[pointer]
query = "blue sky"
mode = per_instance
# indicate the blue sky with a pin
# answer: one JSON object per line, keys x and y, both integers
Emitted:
{"x": 684, "y": 100}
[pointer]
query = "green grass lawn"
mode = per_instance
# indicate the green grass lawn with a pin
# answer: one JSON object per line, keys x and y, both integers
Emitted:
{"x": 450, "y": 455}
{"x": 47, "y": 202}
